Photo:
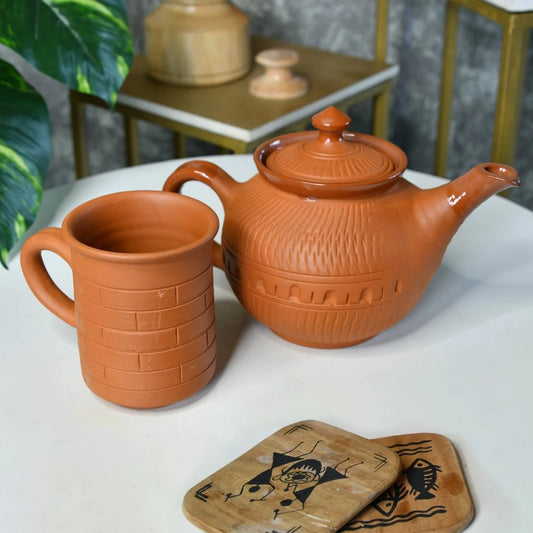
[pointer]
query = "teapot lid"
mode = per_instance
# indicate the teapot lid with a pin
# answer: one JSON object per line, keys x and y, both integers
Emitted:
{"x": 330, "y": 161}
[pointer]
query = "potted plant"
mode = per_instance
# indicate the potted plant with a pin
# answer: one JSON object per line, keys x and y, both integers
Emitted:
{"x": 84, "y": 44}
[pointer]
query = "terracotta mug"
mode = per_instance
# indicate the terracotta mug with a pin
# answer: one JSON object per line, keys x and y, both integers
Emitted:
{"x": 142, "y": 268}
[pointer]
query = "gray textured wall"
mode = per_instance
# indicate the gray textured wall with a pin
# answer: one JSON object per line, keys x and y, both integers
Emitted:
{"x": 415, "y": 42}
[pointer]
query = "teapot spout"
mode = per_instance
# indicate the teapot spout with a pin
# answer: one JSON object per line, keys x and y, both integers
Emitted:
{"x": 468, "y": 191}
{"x": 441, "y": 210}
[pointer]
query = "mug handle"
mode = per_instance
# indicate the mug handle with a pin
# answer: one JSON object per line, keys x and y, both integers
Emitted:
{"x": 213, "y": 176}
{"x": 37, "y": 277}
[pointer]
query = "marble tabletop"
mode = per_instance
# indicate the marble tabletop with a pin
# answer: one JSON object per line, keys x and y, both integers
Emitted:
{"x": 459, "y": 364}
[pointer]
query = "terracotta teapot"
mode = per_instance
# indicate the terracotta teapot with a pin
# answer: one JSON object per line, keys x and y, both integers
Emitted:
{"x": 328, "y": 245}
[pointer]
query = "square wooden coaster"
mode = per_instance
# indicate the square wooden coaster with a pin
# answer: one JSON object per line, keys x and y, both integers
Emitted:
{"x": 306, "y": 477}
{"x": 431, "y": 494}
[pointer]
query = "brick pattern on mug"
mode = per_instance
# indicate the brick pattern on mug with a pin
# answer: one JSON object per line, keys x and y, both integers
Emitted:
{"x": 147, "y": 340}
{"x": 144, "y": 300}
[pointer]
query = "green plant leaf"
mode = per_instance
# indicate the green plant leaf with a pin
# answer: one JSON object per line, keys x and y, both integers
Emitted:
{"x": 84, "y": 44}
{"x": 24, "y": 155}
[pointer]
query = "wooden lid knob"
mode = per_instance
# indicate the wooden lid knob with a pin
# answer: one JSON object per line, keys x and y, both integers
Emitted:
{"x": 278, "y": 82}
{"x": 277, "y": 58}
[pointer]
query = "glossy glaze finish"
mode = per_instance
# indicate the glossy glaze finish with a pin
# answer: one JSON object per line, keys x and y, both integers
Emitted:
{"x": 341, "y": 246}
{"x": 143, "y": 293}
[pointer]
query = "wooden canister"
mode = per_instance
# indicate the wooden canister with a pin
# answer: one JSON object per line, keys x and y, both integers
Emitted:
{"x": 197, "y": 42}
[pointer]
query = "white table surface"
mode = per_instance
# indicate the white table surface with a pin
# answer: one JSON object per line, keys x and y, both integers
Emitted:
{"x": 461, "y": 364}
{"x": 513, "y": 6}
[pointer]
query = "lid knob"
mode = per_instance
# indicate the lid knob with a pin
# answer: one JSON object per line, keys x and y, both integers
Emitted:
{"x": 278, "y": 82}
{"x": 331, "y": 123}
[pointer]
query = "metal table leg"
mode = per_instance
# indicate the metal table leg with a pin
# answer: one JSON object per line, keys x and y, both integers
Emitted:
{"x": 446, "y": 92}
{"x": 380, "y": 120}
{"x": 131, "y": 136}
{"x": 79, "y": 135}
{"x": 512, "y": 66}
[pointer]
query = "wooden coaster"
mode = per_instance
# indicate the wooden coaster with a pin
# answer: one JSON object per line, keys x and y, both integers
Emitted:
{"x": 306, "y": 477}
{"x": 431, "y": 494}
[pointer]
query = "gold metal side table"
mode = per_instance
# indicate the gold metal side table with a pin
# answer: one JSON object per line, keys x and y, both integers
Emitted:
{"x": 227, "y": 115}
{"x": 516, "y": 18}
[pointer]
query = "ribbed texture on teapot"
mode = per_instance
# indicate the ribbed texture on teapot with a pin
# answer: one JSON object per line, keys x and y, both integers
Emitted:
{"x": 328, "y": 238}
{"x": 303, "y": 162}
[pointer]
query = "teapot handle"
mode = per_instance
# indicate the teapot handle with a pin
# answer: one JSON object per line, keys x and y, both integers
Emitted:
{"x": 213, "y": 176}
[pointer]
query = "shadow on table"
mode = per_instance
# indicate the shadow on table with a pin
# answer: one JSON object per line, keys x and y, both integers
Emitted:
{"x": 445, "y": 289}
{"x": 231, "y": 319}
{"x": 450, "y": 288}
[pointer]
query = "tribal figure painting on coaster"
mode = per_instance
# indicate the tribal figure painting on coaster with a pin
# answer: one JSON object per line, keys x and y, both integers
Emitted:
{"x": 294, "y": 476}
{"x": 431, "y": 494}
{"x": 308, "y": 476}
